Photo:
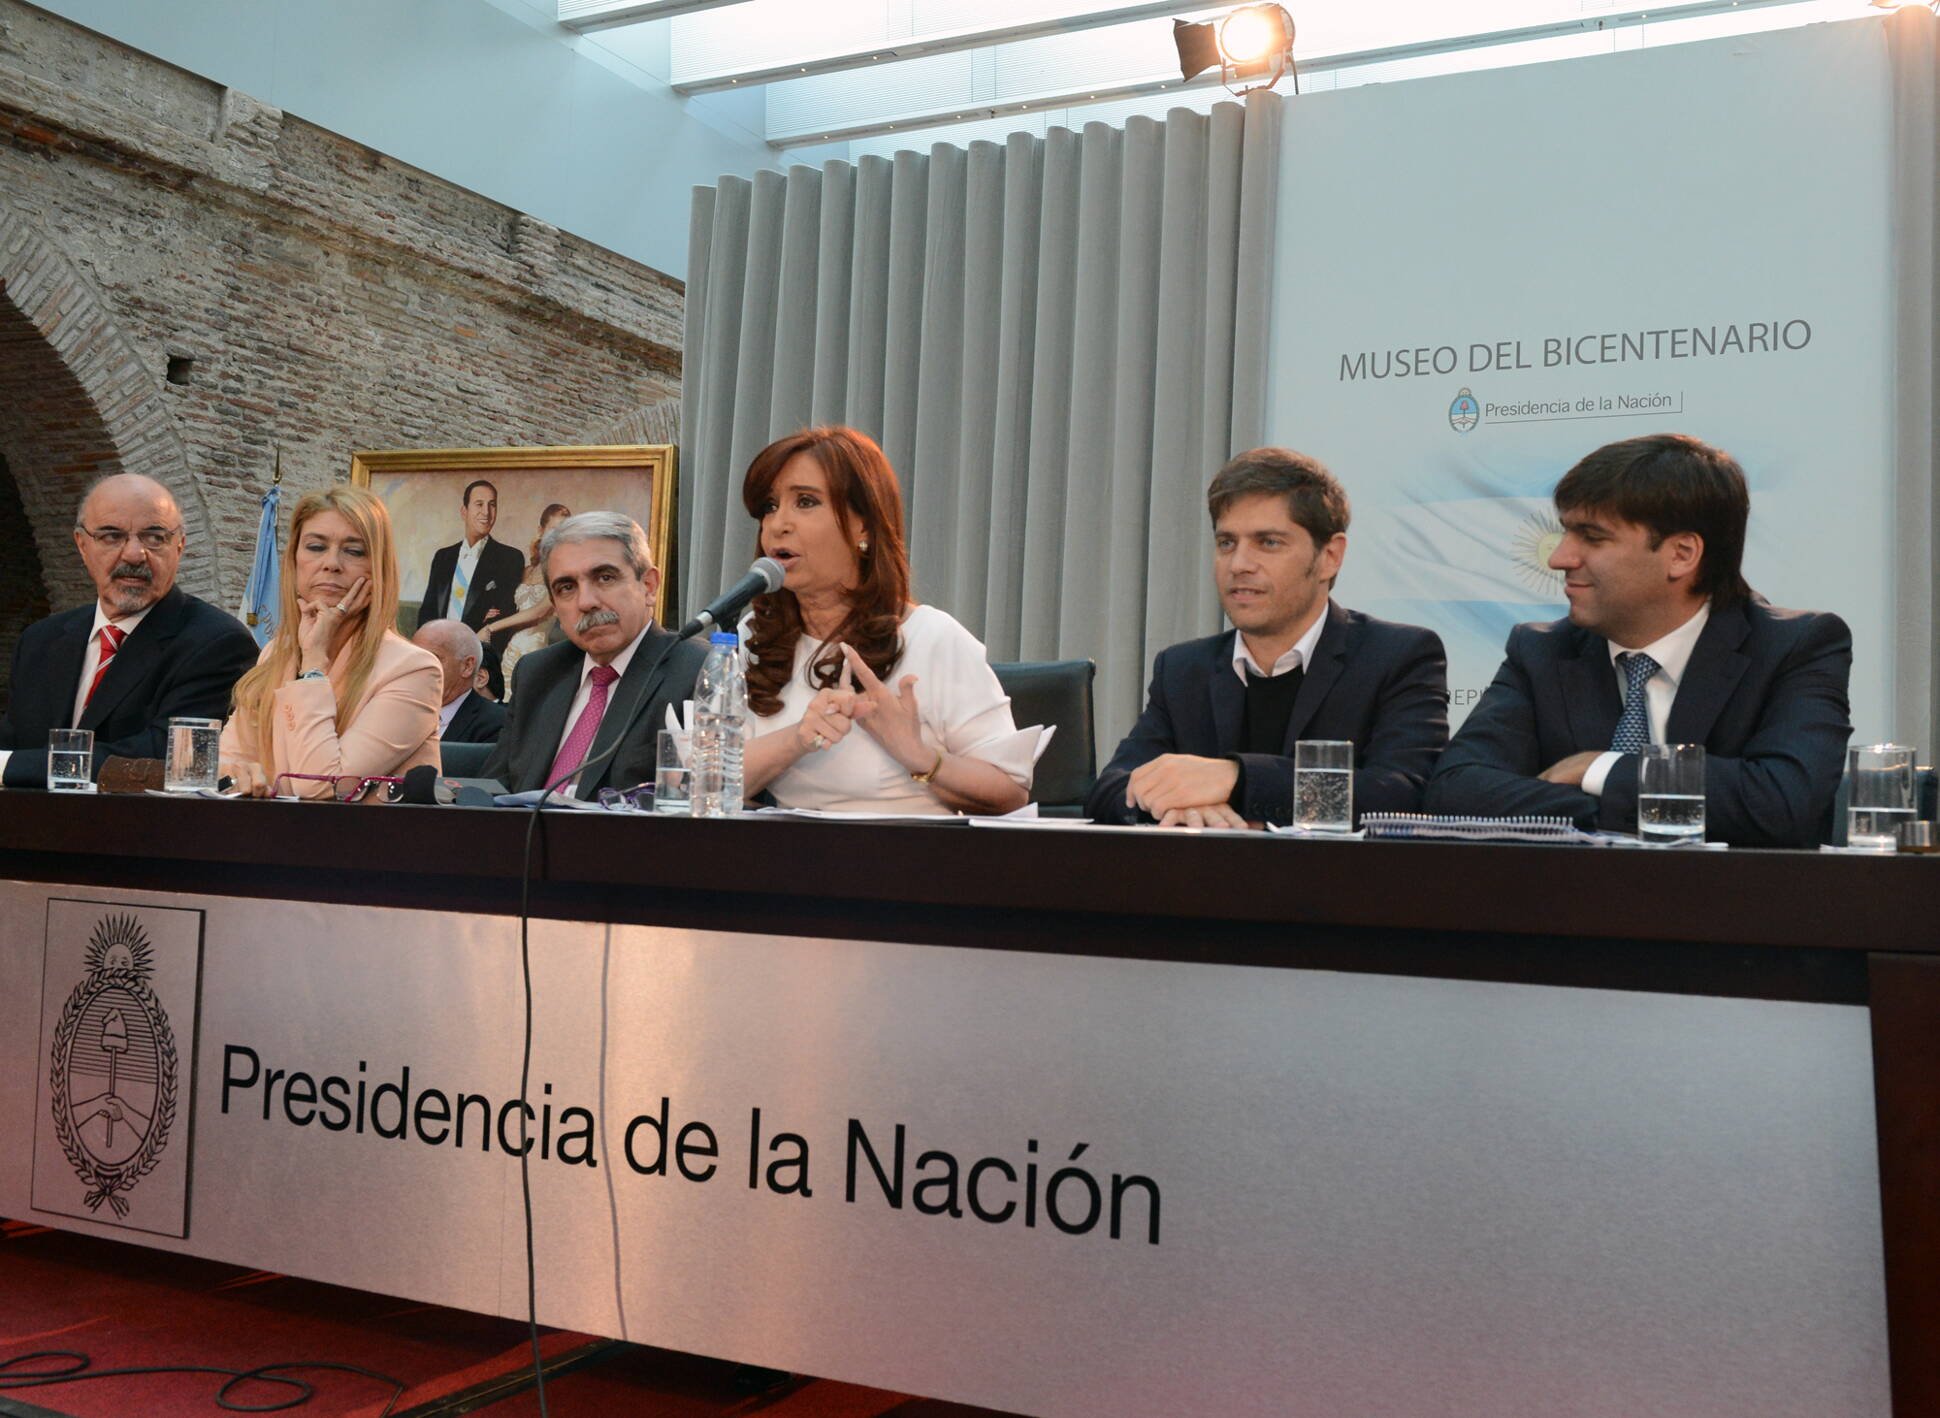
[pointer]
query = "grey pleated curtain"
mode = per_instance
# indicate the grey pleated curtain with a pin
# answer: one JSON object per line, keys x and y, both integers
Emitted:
{"x": 1915, "y": 58}
{"x": 1057, "y": 341}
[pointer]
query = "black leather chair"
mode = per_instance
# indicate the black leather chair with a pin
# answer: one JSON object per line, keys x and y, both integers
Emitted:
{"x": 1056, "y": 692}
{"x": 464, "y": 760}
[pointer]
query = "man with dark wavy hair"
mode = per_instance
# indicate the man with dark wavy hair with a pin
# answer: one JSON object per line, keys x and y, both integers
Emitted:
{"x": 1664, "y": 643}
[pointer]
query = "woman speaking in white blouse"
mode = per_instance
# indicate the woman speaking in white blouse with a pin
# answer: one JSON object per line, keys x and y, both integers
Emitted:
{"x": 858, "y": 698}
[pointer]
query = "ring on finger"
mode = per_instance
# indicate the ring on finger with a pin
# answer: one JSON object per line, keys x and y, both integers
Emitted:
{"x": 821, "y": 742}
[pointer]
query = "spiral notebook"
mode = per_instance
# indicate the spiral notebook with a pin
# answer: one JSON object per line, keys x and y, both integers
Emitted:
{"x": 1393, "y": 826}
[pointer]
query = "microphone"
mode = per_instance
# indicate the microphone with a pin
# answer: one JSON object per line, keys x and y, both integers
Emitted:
{"x": 422, "y": 785}
{"x": 764, "y": 576}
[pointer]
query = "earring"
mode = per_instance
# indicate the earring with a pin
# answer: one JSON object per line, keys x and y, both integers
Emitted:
{"x": 863, "y": 546}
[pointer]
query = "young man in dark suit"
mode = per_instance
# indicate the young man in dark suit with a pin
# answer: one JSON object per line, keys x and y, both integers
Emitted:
{"x": 1665, "y": 643}
{"x": 1214, "y": 747}
{"x": 572, "y": 701}
{"x": 141, "y": 653}
{"x": 475, "y": 579}
{"x": 467, "y": 716}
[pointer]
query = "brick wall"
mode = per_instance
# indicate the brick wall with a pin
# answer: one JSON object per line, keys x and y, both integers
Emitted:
{"x": 314, "y": 294}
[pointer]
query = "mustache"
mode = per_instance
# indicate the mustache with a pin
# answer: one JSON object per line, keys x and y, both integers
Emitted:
{"x": 134, "y": 571}
{"x": 593, "y": 620}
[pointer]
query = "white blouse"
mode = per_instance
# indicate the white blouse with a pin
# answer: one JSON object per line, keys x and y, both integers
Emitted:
{"x": 964, "y": 712}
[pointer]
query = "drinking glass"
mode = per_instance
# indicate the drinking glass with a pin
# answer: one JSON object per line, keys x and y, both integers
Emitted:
{"x": 194, "y": 751}
{"x": 1323, "y": 785}
{"x": 70, "y": 760}
{"x": 673, "y": 777}
{"x": 1880, "y": 776}
{"x": 1670, "y": 793}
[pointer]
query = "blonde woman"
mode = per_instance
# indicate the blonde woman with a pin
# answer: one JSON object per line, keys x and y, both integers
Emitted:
{"x": 337, "y": 696}
{"x": 528, "y": 627}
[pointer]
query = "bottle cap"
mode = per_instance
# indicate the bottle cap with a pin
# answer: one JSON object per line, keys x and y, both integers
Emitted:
{"x": 724, "y": 637}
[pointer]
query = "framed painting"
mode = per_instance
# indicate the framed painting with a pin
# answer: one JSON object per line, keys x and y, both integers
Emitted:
{"x": 442, "y": 499}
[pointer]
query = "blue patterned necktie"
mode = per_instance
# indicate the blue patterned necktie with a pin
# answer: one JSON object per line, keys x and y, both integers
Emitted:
{"x": 1633, "y": 728}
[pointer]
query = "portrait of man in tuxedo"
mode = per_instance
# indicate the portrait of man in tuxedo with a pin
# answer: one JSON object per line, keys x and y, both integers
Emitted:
{"x": 467, "y": 716}
{"x": 1664, "y": 643}
{"x": 1214, "y": 747}
{"x": 475, "y": 579}
{"x": 141, "y": 652}
{"x": 573, "y": 701}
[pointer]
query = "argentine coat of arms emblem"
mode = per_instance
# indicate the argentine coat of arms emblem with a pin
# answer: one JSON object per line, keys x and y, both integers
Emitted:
{"x": 114, "y": 1072}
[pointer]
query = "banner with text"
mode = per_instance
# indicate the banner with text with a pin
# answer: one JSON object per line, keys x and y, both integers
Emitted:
{"x": 1482, "y": 277}
{"x": 1041, "y": 1183}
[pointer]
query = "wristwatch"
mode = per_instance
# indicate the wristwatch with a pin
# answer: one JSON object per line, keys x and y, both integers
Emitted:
{"x": 925, "y": 777}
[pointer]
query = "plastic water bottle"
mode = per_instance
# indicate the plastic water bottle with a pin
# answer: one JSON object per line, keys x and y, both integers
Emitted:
{"x": 720, "y": 722}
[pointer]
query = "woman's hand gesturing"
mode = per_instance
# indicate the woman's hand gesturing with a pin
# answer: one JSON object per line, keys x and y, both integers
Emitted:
{"x": 321, "y": 621}
{"x": 891, "y": 716}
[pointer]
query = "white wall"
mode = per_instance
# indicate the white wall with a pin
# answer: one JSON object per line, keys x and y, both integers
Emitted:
{"x": 1737, "y": 180}
{"x": 489, "y": 94}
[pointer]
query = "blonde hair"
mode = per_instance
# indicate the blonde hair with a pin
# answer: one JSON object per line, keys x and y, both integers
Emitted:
{"x": 365, "y": 512}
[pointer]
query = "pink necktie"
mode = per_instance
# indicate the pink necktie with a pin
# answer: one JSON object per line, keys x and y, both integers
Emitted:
{"x": 111, "y": 638}
{"x": 573, "y": 751}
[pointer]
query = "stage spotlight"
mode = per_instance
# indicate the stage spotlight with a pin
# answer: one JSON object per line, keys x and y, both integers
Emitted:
{"x": 1248, "y": 36}
{"x": 1253, "y": 47}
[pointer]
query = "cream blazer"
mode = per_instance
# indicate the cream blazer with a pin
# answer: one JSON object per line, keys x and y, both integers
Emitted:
{"x": 393, "y": 727}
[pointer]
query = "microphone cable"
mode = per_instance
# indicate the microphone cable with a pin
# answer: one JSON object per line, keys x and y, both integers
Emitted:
{"x": 641, "y": 700}
{"x": 82, "y": 1367}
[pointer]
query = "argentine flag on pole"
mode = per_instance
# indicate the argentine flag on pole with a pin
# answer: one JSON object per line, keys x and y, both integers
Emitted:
{"x": 263, "y": 596}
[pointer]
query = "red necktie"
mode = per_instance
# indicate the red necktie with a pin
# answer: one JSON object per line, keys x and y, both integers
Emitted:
{"x": 111, "y": 638}
{"x": 572, "y": 752}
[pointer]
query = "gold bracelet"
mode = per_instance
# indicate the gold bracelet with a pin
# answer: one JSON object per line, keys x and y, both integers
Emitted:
{"x": 925, "y": 777}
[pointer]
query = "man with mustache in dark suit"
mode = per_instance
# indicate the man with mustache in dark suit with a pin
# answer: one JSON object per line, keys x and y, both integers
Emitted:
{"x": 141, "y": 653}
{"x": 572, "y": 701}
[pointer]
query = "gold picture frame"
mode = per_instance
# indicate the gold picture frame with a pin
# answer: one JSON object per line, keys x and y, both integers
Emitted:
{"x": 423, "y": 488}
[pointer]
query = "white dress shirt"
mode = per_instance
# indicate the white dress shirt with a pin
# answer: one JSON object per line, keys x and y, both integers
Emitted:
{"x": 1297, "y": 658}
{"x": 585, "y": 692}
{"x": 1672, "y": 654}
{"x": 91, "y": 661}
{"x": 468, "y": 554}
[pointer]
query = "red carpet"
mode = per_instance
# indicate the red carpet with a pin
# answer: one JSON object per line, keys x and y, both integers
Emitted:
{"x": 126, "y": 1306}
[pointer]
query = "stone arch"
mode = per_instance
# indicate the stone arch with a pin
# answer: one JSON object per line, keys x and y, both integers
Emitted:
{"x": 76, "y": 402}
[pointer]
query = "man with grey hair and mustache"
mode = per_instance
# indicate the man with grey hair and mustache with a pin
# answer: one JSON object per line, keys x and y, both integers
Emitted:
{"x": 571, "y": 702}
{"x": 141, "y": 653}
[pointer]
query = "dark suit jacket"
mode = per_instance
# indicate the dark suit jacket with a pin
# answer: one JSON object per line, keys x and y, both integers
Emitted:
{"x": 543, "y": 686}
{"x": 1381, "y": 685}
{"x": 1764, "y": 692}
{"x": 478, "y": 720}
{"x": 494, "y": 586}
{"x": 183, "y": 659}
{"x": 494, "y": 583}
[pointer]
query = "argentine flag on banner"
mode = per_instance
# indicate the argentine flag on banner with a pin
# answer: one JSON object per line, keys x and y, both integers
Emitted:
{"x": 263, "y": 595}
{"x": 1476, "y": 549}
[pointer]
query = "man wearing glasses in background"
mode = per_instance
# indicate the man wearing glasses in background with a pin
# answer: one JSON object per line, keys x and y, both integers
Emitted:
{"x": 140, "y": 654}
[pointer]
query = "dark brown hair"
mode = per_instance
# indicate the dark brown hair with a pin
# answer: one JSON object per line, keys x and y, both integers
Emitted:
{"x": 868, "y": 503}
{"x": 1668, "y": 483}
{"x": 1315, "y": 500}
